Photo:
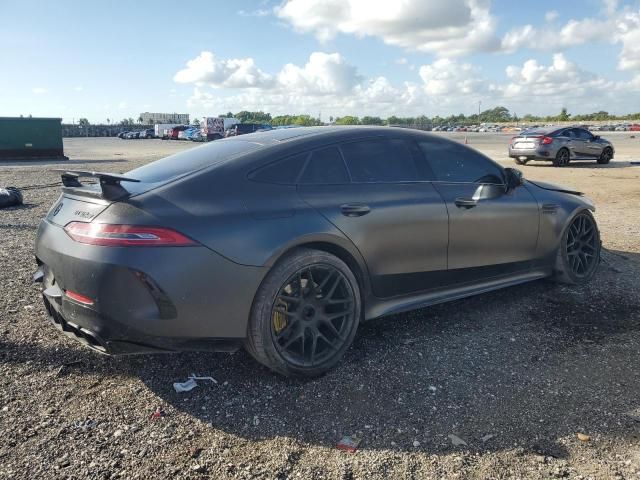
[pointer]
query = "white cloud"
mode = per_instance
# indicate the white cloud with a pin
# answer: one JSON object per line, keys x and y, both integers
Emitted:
{"x": 574, "y": 32}
{"x": 562, "y": 79}
{"x": 629, "y": 36}
{"x": 442, "y": 27}
{"x": 401, "y": 61}
{"x": 328, "y": 83}
{"x": 551, "y": 15}
{"x": 613, "y": 25}
{"x": 324, "y": 73}
{"x": 260, "y": 12}
{"x": 39, "y": 90}
{"x": 78, "y": 88}
{"x": 206, "y": 69}
{"x": 446, "y": 77}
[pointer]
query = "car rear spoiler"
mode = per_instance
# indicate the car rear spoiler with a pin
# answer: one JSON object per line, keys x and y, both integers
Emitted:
{"x": 109, "y": 182}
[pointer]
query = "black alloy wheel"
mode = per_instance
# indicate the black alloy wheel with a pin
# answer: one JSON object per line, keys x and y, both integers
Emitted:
{"x": 305, "y": 314}
{"x": 582, "y": 245}
{"x": 312, "y": 315}
{"x": 579, "y": 253}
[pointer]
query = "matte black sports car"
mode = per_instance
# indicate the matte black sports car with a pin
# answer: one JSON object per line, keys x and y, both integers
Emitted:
{"x": 284, "y": 241}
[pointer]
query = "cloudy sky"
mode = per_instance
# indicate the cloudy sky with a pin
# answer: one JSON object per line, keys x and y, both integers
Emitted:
{"x": 113, "y": 59}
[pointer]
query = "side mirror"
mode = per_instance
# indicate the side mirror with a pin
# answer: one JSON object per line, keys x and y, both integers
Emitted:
{"x": 596, "y": 137}
{"x": 514, "y": 178}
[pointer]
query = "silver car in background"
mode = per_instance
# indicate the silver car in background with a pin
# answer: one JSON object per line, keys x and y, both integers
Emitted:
{"x": 560, "y": 145}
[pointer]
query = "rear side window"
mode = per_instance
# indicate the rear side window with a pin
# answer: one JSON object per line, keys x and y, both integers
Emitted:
{"x": 382, "y": 160}
{"x": 325, "y": 167}
{"x": 452, "y": 162}
{"x": 283, "y": 172}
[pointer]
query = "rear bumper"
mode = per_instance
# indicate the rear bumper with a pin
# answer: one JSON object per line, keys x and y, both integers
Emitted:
{"x": 145, "y": 299}
{"x": 538, "y": 153}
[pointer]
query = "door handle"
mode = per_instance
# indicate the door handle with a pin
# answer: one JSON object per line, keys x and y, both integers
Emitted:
{"x": 465, "y": 202}
{"x": 354, "y": 209}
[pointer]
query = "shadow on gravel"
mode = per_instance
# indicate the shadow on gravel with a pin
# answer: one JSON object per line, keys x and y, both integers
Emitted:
{"x": 521, "y": 367}
{"x": 582, "y": 164}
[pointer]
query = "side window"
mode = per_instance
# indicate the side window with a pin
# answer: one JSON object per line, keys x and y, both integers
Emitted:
{"x": 283, "y": 172}
{"x": 452, "y": 162}
{"x": 382, "y": 160}
{"x": 571, "y": 133}
{"x": 584, "y": 134}
{"x": 325, "y": 167}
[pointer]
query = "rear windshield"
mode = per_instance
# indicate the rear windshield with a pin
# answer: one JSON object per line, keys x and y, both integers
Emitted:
{"x": 535, "y": 131}
{"x": 191, "y": 160}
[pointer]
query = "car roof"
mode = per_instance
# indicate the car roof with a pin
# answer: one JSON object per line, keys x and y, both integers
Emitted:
{"x": 328, "y": 133}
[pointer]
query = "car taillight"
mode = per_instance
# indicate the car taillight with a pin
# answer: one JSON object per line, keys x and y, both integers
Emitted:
{"x": 546, "y": 140}
{"x": 79, "y": 298}
{"x": 108, "y": 235}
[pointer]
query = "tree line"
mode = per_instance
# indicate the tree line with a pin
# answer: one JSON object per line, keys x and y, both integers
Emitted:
{"x": 494, "y": 115}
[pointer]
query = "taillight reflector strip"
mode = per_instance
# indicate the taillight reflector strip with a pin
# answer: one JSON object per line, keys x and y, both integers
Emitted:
{"x": 78, "y": 298}
{"x": 110, "y": 235}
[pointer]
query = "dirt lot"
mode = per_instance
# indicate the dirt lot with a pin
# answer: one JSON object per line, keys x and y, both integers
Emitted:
{"x": 514, "y": 374}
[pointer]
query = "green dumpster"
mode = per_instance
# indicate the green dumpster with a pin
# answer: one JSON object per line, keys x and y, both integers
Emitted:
{"x": 28, "y": 138}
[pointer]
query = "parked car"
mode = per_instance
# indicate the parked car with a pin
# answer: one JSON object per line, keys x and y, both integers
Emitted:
{"x": 175, "y": 131}
{"x": 122, "y": 135}
{"x": 560, "y": 146}
{"x": 244, "y": 128}
{"x": 148, "y": 133}
{"x": 285, "y": 243}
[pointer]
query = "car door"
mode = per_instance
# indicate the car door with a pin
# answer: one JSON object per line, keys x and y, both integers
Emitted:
{"x": 590, "y": 147}
{"x": 386, "y": 206}
{"x": 492, "y": 230}
{"x": 578, "y": 144}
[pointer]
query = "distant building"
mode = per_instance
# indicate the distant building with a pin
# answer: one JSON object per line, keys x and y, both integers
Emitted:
{"x": 153, "y": 118}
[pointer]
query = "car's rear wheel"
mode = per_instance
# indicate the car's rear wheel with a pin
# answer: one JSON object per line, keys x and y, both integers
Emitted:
{"x": 305, "y": 314}
{"x": 562, "y": 158}
{"x": 605, "y": 156}
{"x": 521, "y": 162}
{"x": 579, "y": 252}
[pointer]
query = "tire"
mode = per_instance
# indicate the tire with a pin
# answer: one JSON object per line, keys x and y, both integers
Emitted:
{"x": 562, "y": 158}
{"x": 521, "y": 162}
{"x": 581, "y": 227}
{"x": 605, "y": 156}
{"x": 291, "y": 328}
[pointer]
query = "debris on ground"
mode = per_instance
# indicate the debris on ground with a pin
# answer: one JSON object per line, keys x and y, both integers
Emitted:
{"x": 10, "y": 197}
{"x": 193, "y": 376}
{"x": 456, "y": 440}
{"x": 84, "y": 424}
{"x": 185, "y": 386}
{"x": 487, "y": 437}
{"x": 158, "y": 413}
{"x": 349, "y": 444}
{"x": 583, "y": 437}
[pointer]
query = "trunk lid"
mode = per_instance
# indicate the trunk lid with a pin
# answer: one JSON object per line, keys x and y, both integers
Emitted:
{"x": 70, "y": 208}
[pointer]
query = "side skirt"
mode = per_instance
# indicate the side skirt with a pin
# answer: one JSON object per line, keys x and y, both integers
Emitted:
{"x": 382, "y": 307}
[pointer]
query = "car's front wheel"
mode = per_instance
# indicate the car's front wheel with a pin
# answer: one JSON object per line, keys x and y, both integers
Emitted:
{"x": 606, "y": 156}
{"x": 305, "y": 314}
{"x": 579, "y": 252}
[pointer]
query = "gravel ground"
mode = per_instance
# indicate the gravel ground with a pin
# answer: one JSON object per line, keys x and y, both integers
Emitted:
{"x": 494, "y": 386}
